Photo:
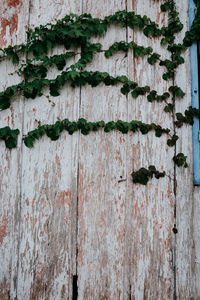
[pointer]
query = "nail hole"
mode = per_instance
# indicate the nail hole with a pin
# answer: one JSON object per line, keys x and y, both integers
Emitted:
{"x": 175, "y": 230}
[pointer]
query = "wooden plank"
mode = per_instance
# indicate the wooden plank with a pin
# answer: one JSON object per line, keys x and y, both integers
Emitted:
{"x": 149, "y": 209}
{"x": 13, "y": 20}
{"x": 49, "y": 180}
{"x": 102, "y": 175}
{"x": 195, "y": 243}
{"x": 185, "y": 202}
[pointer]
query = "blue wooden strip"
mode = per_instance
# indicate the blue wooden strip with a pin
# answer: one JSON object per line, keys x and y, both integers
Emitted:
{"x": 195, "y": 99}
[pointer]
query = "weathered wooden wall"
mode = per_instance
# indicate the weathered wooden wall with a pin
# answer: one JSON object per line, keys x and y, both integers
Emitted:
{"x": 68, "y": 208}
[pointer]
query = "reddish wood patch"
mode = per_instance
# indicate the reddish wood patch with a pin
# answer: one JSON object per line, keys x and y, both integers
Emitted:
{"x": 12, "y": 3}
{"x": 9, "y": 19}
{"x": 3, "y": 228}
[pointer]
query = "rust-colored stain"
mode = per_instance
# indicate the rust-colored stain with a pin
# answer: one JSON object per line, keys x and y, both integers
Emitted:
{"x": 133, "y": 4}
{"x": 35, "y": 123}
{"x": 163, "y": 20}
{"x": 3, "y": 228}
{"x": 40, "y": 269}
{"x": 58, "y": 160}
{"x": 9, "y": 21}
{"x": 28, "y": 218}
{"x": 12, "y": 116}
{"x": 134, "y": 150}
{"x": 158, "y": 17}
{"x": 12, "y": 3}
{"x": 12, "y": 23}
{"x": 64, "y": 197}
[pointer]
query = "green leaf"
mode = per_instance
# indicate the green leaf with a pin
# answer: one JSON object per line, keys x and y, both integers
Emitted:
{"x": 4, "y": 102}
{"x": 54, "y": 89}
{"x": 180, "y": 160}
{"x": 29, "y": 141}
{"x": 135, "y": 93}
{"x": 11, "y": 142}
{"x": 4, "y": 132}
{"x": 169, "y": 108}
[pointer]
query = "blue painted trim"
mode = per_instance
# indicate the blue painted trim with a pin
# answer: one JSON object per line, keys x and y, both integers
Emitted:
{"x": 195, "y": 99}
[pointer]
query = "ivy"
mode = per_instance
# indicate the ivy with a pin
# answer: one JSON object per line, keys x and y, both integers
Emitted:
{"x": 11, "y": 54}
{"x": 177, "y": 91}
{"x": 172, "y": 142}
{"x": 32, "y": 70}
{"x": 153, "y": 58}
{"x": 9, "y": 136}
{"x": 174, "y": 24}
{"x": 188, "y": 116}
{"x": 75, "y": 31}
{"x": 77, "y": 78}
{"x": 140, "y": 91}
{"x": 53, "y": 131}
{"x": 125, "y": 46}
{"x": 169, "y": 108}
{"x": 193, "y": 34}
{"x": 143, "y": 175}
{"x": 153, "y": 96}
{"x": 166, "y": 6}
{"x": 180, "y": 160}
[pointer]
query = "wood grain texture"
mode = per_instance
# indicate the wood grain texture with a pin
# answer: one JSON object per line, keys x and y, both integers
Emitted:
{"x": 185, "y": 200}
{"x": 12, "y": 30}
{"x": 149, "y": 209}
{"x": 69, "y": 207}
{"x": 196, "y": 243}
{"x": 47, "y": 254}
{"x": 102, "y": 175}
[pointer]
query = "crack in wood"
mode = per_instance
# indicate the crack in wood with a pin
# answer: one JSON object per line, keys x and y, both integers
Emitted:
{"x": 75, "y": 287}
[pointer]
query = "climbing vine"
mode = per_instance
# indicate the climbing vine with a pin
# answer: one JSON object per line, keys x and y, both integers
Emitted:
{"x": 75, "y": 31}
{"x": 143, "y": 175}
{"x": 54, "y": 131}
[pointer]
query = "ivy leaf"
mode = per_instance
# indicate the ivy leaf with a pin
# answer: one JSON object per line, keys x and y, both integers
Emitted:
{"x": 158, "y": 131}
{"x": 81, "y": 123}
{"x": 123, "y": 78}
{"x": 73, "y": 75}
{"x": 166, "y": 6}
{"x": 125, "y": 90}
{"x": 29, "y": 141}
{"x": 4, "y": 102}
{"x": 141, "y": 176}
{"x": 11, "y": 54}
{"x": 14, "y": 133}
{"x": 135, "y": 93}
{"x": 54, "y": 89}
{"x": 4, "y": 132}
{"x": 169, "y": 107}
{"x": 171, "y": 142}
{"x": 152, "y": 96}
{"x": 180, "y": 160}
{"x": 153, "y": 58}
{"x": 11, "y": 142}
{"x": 177, "y": 91}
